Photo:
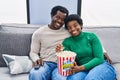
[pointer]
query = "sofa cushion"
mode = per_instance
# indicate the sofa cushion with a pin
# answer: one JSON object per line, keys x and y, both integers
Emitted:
{"x": 17, "y": 64}
{"x": 4, "y": 75}
{"x": 117, "y": 69}
{"x": 110, "y": 39}
{"x": 15, "y": 39}
{"x": 19, "y": 28}
{"x": 14, "y": 44}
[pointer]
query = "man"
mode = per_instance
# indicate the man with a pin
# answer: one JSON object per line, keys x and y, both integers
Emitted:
{"x": 44, "y": 42}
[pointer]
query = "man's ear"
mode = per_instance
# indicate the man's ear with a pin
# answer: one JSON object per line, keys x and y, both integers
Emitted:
{"x": 51, "y": 16}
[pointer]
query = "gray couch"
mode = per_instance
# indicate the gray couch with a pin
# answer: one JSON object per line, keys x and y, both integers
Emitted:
{"x": 15, "y": 39}
{"x": 12, "y": 35}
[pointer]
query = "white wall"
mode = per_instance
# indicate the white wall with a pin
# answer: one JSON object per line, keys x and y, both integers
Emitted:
{"x": 101, "y": 12}
{"x": 94, "y": 12}
{"x": 13, "y": 11}
{"x": 40, "y": 9}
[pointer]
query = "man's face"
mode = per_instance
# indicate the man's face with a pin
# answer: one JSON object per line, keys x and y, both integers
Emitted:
{"x": 58, "y": 20}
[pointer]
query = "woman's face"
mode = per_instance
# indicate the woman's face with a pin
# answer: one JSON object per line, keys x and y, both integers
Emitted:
{"x": 74, "y": 27}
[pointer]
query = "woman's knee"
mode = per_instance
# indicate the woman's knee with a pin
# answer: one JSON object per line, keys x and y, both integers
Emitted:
{"x": 78, "y": 76}
{"x": 57, "y": 76}
{"x": 101, "y": 72}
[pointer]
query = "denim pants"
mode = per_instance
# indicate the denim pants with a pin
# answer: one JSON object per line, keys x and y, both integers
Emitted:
{"x": 101, "y": 72}
{"x": 44, "y": 72}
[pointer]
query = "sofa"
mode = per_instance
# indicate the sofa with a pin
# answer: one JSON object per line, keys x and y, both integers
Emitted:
{"x": 15, "y": 39}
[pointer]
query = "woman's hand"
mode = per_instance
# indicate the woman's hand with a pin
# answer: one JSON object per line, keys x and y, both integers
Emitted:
{"x": 59, "y": 48}
{"x": 76, "y": 69}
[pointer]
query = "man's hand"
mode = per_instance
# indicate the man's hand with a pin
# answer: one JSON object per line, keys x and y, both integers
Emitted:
{"x": 38, "y": 62}
{"x": 107, "y": 58}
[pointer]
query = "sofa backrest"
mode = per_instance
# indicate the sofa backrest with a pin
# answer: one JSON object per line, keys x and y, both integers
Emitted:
{"x": 110, "y": 38}
{"x": 15, "y": 40}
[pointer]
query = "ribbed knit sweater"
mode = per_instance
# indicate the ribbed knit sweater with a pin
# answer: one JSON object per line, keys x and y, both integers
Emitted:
{"x": 88, "y": 48}
{"x": 44, "y": 41}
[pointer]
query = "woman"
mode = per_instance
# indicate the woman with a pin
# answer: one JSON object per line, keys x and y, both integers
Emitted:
{"x": 90, "y": 63}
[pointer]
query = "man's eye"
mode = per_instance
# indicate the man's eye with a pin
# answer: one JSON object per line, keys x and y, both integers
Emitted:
{"x": 57, "y": 17}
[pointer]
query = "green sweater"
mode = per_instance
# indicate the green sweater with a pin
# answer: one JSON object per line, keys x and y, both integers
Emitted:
{"x": 88, "y": 48}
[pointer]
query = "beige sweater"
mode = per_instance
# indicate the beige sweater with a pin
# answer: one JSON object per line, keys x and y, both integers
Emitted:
{"x": 44, "y": 41}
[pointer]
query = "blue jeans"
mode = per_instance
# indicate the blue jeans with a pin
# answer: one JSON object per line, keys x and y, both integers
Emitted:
{"x": 101, "y": 72}
{"x": 44, "y": 72}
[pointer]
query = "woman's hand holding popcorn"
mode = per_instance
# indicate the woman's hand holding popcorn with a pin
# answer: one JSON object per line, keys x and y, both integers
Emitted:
{"x": 59, "y": 48}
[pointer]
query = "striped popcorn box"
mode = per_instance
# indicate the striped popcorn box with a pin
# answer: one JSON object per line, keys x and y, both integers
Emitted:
{"x": 65, "y": 62}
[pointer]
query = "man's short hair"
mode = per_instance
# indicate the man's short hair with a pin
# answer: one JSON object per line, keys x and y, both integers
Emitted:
{"x": 59, "y": 8}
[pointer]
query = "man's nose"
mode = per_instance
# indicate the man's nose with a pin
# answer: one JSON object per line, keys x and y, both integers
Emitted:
{"x": 60, "y": 20}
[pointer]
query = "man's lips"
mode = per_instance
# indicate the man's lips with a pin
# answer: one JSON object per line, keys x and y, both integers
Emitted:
{"x": 57, "y": 24}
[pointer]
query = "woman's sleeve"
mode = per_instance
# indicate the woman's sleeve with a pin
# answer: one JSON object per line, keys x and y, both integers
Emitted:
{"x": 97, "y": 52}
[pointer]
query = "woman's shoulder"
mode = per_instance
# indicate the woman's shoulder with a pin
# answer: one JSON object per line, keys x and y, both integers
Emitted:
{"x": 89, "y": 33}
{"x": 68, "y": 39}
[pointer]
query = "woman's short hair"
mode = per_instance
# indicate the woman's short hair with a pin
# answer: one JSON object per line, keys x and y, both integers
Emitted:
{"x": 73, "y": 17}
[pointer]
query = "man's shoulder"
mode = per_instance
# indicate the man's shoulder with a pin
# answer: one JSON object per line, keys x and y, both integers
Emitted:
{"x": 42, "y": 28}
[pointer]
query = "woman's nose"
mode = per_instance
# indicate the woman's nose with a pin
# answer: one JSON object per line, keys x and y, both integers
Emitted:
{"x": 72, "y": 28}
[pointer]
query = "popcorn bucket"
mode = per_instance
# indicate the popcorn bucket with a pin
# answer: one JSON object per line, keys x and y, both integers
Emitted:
{"x": 65, "y": 62}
